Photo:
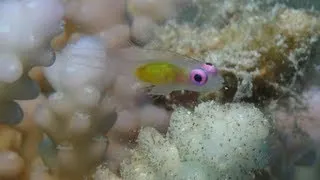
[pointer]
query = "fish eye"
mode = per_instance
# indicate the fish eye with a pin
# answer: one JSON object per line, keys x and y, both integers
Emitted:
{"x": 210, "y": 68}
{"x": 198, "y": 77}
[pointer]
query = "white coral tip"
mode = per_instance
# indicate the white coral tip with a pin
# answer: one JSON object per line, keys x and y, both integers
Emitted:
{"x": 10, "y": 69}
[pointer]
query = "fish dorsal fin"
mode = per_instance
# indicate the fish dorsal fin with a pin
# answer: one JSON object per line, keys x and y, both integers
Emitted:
{"x": 142, "y": 56}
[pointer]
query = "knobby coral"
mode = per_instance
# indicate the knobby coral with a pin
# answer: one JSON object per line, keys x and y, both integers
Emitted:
{"x": 27, "y": 28}
{"x": 213, "y": 142}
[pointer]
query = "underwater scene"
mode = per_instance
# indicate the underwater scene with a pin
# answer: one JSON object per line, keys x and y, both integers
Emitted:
{"x": 159, "y": 90}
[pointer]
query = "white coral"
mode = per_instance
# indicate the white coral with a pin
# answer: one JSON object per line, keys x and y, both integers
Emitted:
{"x": 78, "y": 114}
{"x": 80, "y": 71}
{"x": 26, "y": 29}
{"x": 213, "y": 142}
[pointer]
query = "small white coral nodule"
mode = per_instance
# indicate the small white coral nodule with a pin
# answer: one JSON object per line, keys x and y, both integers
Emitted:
{"x": 80, "y": 70}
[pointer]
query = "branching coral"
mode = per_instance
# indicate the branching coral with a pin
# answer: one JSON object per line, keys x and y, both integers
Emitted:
{"x": 120, "y": 21}
{"x": 81, "y": 70}
{"x": 90, "y": 100}
{"x": 27, "y": 28}
{"x": 76, "y": 116}
{"x": 215, "y": 141}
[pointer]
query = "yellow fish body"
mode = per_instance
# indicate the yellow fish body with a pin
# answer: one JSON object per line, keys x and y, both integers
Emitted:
{"x": 160, "y": 73}
{"x": 167, "y": 71}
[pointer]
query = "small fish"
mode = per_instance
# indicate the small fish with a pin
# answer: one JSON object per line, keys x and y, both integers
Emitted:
{"x": 167, "y": 71}
{"x": 162, "y": 71}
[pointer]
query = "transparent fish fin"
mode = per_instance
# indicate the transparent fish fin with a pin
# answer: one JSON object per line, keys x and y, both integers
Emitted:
{"x": 164, "y": 89}
{"x": 160, "y": 90}
{"x": 140, "y": 56}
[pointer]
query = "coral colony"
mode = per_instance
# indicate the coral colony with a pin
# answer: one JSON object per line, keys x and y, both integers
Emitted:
{"x": 159, "y": 90}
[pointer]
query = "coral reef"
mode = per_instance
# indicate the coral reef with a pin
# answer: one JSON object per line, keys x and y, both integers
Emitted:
{"x": 90, "y": 120}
